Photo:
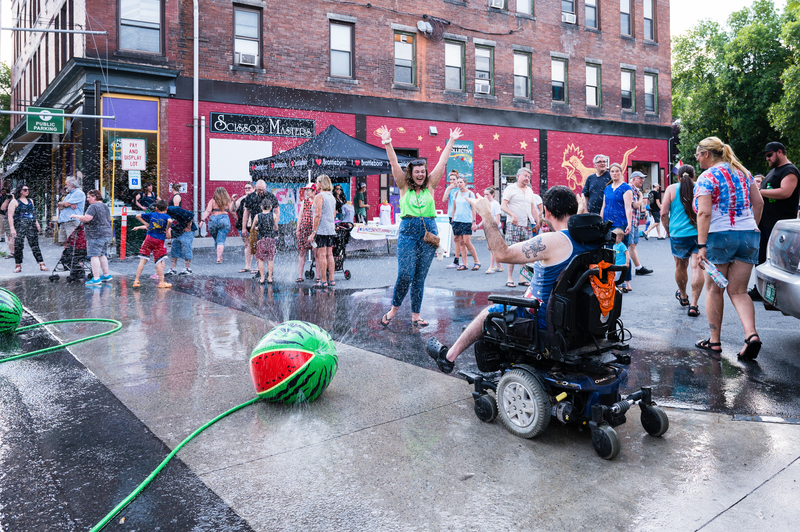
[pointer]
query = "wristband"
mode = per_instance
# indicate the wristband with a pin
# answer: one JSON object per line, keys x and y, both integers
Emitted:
{"x": 385, "y": 142}
{"x": 701, "y": 245}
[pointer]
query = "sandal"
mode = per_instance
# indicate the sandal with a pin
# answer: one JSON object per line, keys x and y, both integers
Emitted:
{"x": 461, "y": 268}
{"x": 42, "y": 267}
{"x": 524, "y": 283}
{"x": 708, "y": 345}
{"x": 511, "y": 284}
{"x": 136, "y": 284}
{"x": 386, "y": 320}
{"x": 299, "y": 280}
{"x": 624, "y": 290}
{"x": 753, "y": 347}
{"x": 318, "y": 284}
{"x": 332, "y": 283}
{"x": 694, "y": 311}
{"x": 18, "y": 269}
{"x": 684, "y": 301}
{"x": 476, "y": 267}
{"x": 219, "y": 261}
{"x": 419, "y": 323}
{"x": 245, "y": 270}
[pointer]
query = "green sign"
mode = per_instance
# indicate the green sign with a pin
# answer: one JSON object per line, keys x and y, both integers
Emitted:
{"x": 47, "y": 121}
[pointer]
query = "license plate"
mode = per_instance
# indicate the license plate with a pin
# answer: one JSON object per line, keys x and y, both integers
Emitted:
{"x": 769, "y": 293}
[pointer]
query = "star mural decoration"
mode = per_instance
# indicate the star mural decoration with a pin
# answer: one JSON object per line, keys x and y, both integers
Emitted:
{"x": 438, "y": 148}
{"x": 523, "y": 145}
{"x": 480, "y": 146}
{"x": 496, "y": 136}
{"x": 419, "y": 137}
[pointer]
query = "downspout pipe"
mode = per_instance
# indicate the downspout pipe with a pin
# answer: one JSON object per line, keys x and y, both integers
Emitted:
{"x": 195, "y": 110}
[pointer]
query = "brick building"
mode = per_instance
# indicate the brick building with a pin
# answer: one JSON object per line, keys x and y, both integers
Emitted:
{"x": 540, "y": 83}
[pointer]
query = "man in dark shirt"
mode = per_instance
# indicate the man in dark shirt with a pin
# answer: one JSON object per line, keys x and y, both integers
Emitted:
{"x": 252, "y": 206}
{"x": 654, "y": 201}
{"x": 781, "y": 194}
{"x": 591, "y": 198}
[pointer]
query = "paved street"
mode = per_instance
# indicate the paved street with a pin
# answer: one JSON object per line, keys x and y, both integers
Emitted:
{"x": 392, "y": 444}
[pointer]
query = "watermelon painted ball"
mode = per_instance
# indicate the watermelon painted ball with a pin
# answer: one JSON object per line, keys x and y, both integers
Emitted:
{"x": 10, "y": 311}
{"x": 293, "y": 363}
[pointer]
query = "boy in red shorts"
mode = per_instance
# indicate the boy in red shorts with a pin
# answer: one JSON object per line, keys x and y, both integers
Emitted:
{"x": 157, "y": 225}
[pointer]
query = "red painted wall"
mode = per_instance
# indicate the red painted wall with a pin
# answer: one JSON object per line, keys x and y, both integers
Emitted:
{"x": 570, "y": 155}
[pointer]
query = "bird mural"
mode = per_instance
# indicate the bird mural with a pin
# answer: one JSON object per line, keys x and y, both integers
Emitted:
{"x": 577, "y": 172}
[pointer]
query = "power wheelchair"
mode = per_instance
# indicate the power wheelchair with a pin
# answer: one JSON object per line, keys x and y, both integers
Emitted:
{"x": 572, "y": 371}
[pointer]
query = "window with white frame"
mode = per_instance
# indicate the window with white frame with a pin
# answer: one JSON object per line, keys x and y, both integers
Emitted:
{"x": 591, "y": 14}
{"x": 404, "y": 59}
{"x": 246, "y": 36}
{"x": 522, "y": 75}
{"x": 484, "y": 65}
{"x": 627, "y": 90}
{"x": 649, "y": 20}
{"x": 341, "y": 50}
{"x": 454, "y": 66}
{"x": 651, "y": 93}
{"x": 558, "y": 76}
{"x": 593, "y": 85}
{"x": 625, "y": 27}
{"x": 525, "y": 7}
{"x": 140, "y": 25}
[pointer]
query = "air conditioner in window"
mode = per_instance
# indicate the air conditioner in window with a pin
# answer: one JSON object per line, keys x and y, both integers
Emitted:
{"x": 497, "y": 4}
{"x": 482, "y": 88}
{"x": 569, "y": 18}
{"x": 248, "y": 59}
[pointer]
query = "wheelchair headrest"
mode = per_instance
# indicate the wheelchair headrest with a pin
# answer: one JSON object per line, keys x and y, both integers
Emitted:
{"x": 590, "y": 229}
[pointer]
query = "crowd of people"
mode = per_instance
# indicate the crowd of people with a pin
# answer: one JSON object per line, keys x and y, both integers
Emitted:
{"x": 720, "y": 219}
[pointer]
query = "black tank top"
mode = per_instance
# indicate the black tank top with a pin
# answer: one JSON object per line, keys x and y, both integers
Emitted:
{"x": 780, "y": 209}
{"x": 24, "y": 210}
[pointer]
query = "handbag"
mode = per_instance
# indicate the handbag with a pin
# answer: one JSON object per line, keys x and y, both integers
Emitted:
{"x": 429, "y": 237}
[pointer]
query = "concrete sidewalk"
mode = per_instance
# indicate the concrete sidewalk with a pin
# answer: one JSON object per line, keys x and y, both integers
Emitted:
{"x": 391, "y": 446}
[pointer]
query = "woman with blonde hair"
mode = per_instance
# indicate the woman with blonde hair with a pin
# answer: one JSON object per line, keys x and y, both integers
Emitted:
{"x": 216, "y": 217}
{"x": 728, "y": 206}
{"x": 417, "y": 209}
{"x": 323, "y": 231}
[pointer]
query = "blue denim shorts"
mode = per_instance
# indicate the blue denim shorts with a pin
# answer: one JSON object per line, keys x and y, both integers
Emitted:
{"x": 98, "y": 247}
{"x": 462, "y": 228}
{"x": 219, "y": 226}
{"x": 727, "y": 246}
{"x": 182, "y": 246}
{"x": 633, "y": 236}
{"x": 683, "y": 246}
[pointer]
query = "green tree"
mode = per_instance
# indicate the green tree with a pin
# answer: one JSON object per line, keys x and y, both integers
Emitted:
{"x": 726, "y": 80}
{"x": 5, "y": 99}
{"x": 785, "y": 113}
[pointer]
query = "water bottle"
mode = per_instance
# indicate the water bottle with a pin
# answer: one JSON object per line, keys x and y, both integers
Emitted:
{"x": 715, "y": 274}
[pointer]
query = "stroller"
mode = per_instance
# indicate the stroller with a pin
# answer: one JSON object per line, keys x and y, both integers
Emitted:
{"x": 340, "y": 242}
{"x": 73, "y": 258}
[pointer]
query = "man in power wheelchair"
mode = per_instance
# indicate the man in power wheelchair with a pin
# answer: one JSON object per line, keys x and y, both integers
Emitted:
{"x": 556, "y": 350}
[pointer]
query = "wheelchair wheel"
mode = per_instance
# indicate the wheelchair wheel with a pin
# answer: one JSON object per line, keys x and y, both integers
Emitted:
{"x": 606, "y": 442}
{"x": 654, "y": 421}
{"x": 523, "y": 404}
{"x": 486, "y": 408}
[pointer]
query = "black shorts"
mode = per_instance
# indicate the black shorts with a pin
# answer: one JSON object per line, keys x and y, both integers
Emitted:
{"x": 462, "y": 228}
{"x": 656, "y": 216}
{"x": 324, "y": 241}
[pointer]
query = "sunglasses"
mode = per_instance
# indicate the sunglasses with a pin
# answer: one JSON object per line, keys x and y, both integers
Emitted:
{"x": 25, "y": 189}
{"x": 418, "y": 162}
{"x": 769, "y": 155}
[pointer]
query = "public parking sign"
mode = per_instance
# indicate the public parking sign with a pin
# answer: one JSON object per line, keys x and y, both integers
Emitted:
{"x": 46, "y": 121}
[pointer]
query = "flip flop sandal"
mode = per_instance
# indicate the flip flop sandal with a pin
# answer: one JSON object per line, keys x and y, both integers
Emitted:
{"x": 461, "y": 268}
{"x": 511, "y": 284}
{"x": 332, "y": 283}
{"x": 419, "y": 323}
{"x": 245, "y": 270}
{"x": 684, "y": 301}
{"x": 18, "y": 269}
{"x": 753, "y": 347}
{"x": 299, "y": 280}
{"x": 42, "y": 267}
{"x": 708, "y": 345}
{"x": 476, "y": 267}
{"x": 386, "y": 320}
{"x": 693, "y": 311}
{"x": 524, "y": 283}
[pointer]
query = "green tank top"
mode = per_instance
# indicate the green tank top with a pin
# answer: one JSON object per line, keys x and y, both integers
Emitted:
{"x": 417, "y": 204}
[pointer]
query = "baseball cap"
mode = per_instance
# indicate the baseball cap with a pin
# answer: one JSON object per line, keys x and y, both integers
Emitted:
{"x": 312, "y": 186}
{"x": 773, "y": 146}
{"x": 637, "y": 174}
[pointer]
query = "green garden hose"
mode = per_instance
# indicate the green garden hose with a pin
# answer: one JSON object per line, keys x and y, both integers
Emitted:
{"x": 117, "y": 326}
{"x": 169, "y": 457}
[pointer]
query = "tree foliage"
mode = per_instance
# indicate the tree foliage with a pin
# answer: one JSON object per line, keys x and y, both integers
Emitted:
{"x": 739, "y": 82}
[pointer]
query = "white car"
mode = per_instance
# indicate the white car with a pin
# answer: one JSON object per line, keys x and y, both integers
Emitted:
{"x": 779, "y": 277}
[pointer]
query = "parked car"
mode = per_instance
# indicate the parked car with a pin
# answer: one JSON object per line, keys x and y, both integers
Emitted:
{"x": 779, "y": 277}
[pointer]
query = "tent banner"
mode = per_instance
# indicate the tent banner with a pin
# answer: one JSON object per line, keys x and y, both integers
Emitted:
{"x": 461, "y": 160}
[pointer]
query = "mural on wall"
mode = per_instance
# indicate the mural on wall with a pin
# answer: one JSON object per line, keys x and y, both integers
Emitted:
{"x": 461, "y": 160}
{"x": 577, "y": 169}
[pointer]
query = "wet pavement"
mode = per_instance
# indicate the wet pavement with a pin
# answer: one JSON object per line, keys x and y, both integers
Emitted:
{"x": 391, "y": 445}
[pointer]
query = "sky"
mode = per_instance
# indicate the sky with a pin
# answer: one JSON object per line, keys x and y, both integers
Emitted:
{"x": 683, "y": 15}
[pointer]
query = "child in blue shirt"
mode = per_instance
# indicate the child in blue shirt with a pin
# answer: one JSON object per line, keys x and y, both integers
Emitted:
{"x": 157, "y": 225}
{"x": 621, "y": 255}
